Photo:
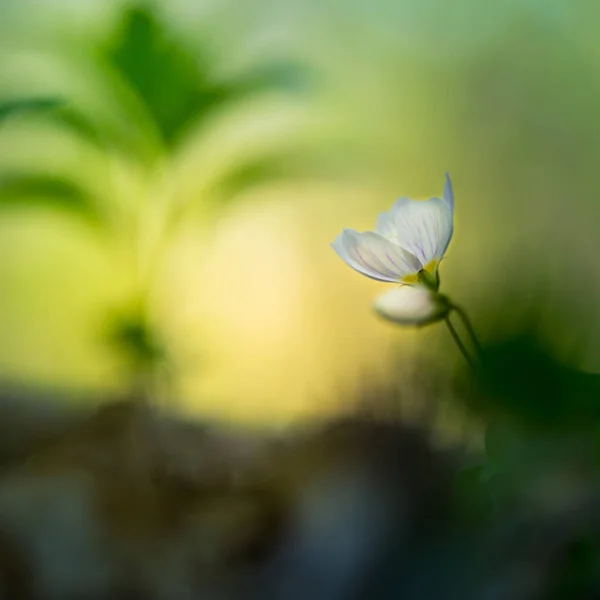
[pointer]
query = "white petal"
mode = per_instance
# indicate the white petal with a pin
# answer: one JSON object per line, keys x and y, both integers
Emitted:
{"x": 448, "y": 195}
{"x": 424, "y": 228}
{"x": 411, "y": 305}
{"x": 386, "y": 222}
{"x": 373, "y": 256}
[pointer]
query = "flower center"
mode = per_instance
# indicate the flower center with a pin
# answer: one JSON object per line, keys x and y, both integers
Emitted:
{"x": 413, "y": 278}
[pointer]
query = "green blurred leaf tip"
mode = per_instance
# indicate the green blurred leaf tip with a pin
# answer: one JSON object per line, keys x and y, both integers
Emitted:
{"x": 12, "y": 107}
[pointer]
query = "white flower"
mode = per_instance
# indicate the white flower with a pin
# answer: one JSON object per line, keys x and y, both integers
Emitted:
{"x": 411, "y": 238}
{"x": 412, "y": 305}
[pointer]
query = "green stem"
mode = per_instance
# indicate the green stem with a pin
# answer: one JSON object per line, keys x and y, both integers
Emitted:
{"x": 469, "y": 327}
{"x": 460, "y": 345}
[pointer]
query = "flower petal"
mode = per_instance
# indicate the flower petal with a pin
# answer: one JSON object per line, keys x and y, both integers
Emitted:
{"x": 410, "y": 305}
{"x": 424, "y": 228}
{"x": 373, "y": 256}
{"x": 386, "y": 222}
{"x": 448, "y": 194}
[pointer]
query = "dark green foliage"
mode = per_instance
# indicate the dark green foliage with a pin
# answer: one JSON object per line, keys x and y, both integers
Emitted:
{"x": 523, "y": 381}
{"x": 12, "y": 107}
{"x": 159, "y": 70}
{"x": 30, "y": 190}
{"x": 536, "y": 487}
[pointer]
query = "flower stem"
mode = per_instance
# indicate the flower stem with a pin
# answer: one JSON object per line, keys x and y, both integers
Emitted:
{"x": 469, "y": 327}
{"x": 460, "y": 344}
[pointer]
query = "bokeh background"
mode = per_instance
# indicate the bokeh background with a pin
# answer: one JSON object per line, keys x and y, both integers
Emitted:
{"x": 168, "y": 199}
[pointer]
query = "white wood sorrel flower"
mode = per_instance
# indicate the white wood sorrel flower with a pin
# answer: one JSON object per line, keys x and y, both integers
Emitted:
{"x": 406, "y": 248}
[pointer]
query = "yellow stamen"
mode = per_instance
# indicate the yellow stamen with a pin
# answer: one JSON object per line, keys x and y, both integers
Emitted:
{"x": 431, "y": 266}
{"x": 414, "y": 278}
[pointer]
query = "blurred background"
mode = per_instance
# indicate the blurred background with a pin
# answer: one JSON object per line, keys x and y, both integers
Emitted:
{"x": 173, "y": 172}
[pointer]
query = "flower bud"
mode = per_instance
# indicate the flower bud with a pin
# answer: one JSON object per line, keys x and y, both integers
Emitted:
{"x": 412, "y": 305}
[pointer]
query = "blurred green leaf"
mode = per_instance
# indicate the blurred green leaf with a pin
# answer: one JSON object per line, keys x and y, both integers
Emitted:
{"x": 28, "y": 190}
{"x": 262, "y": 170}
{"x": 251, "y": 174}
{"x": 177, "y": 86}
{"x": 523, "y": 381}
{"x": 160, "y": 70}
{"x": 257, "y": 172}
{"x": 472, "y": 495}
{"x": 9, "y": 108}
{"x": 78, "y": 123}
{"x": 105, "y": 135}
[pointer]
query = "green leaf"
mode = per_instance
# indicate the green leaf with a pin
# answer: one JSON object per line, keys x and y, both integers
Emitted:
{"x": 255, "y": 173}
{"x": 102, "y": 133}
{"x": 159, "y": 69}
{"x": 265, "y": 170}
{"x": 523, "y": 381}
{"x": 179, "y": 86}
{"x": 9, "y": 108}
{"x": 30, "y": 190}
